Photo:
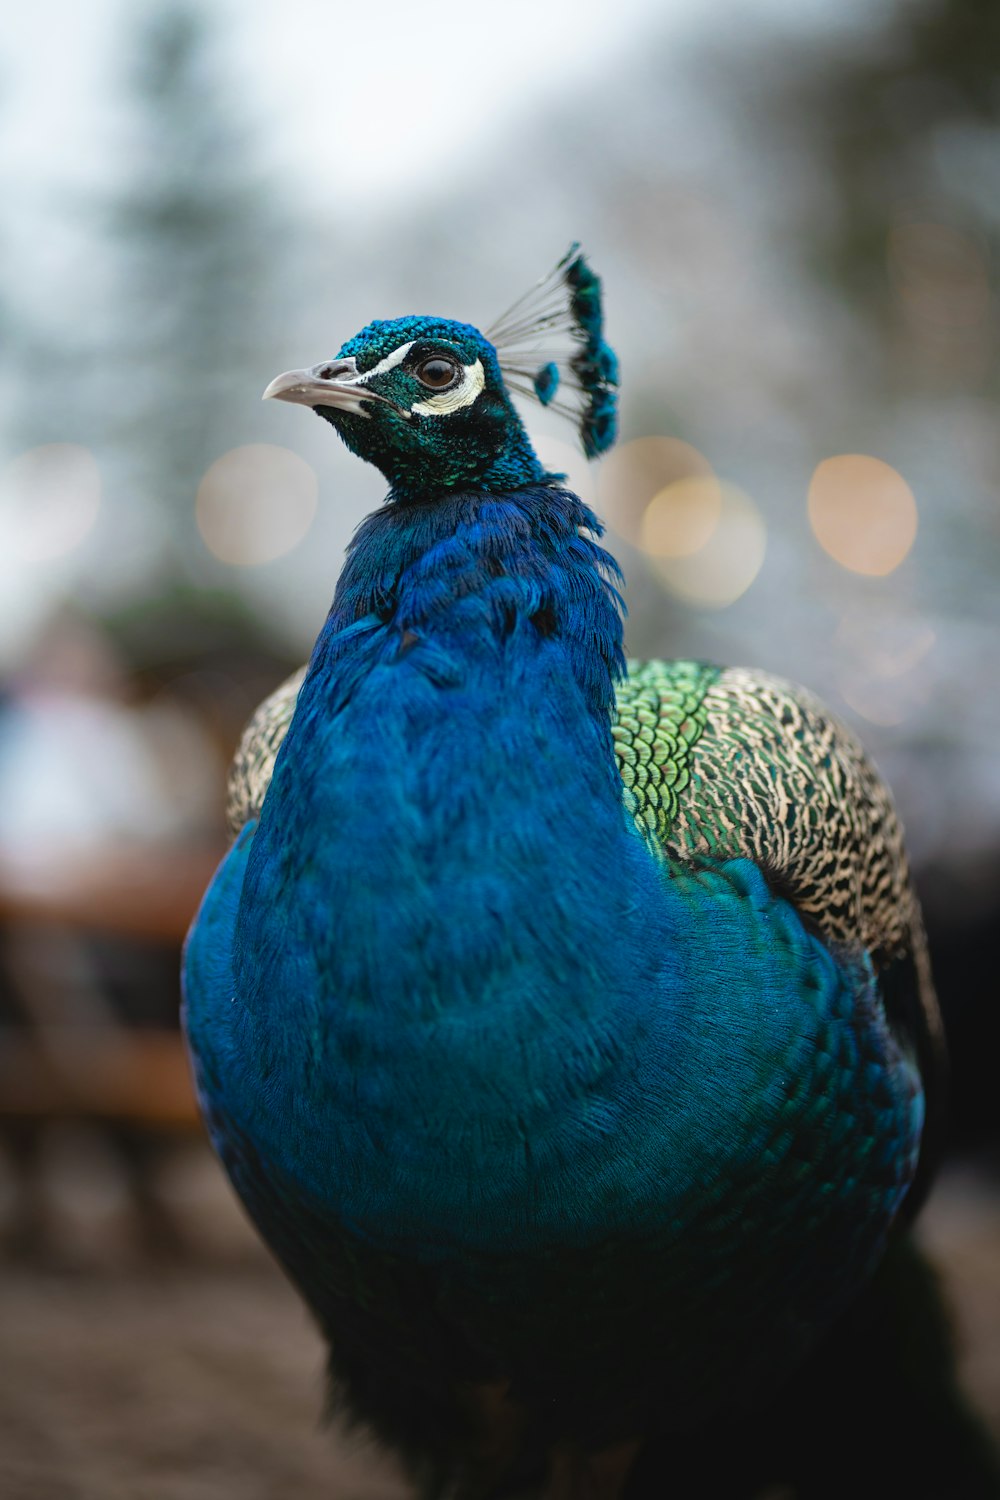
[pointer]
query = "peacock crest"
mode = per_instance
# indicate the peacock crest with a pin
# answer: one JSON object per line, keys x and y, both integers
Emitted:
{"x": 551, "y": 347}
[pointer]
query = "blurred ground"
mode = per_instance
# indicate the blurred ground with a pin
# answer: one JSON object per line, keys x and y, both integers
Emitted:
{"x": 191, "y": 1379}
{"x": 196, "y": 1385}
{"x": 202, "y": 1381}
{"x": 961, "y": 1230}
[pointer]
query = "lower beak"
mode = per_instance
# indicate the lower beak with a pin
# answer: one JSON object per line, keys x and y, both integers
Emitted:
{"x": 320, "y": 386}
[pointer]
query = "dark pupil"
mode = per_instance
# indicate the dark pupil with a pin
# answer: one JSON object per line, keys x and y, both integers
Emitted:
{"x": 436, "y": 372}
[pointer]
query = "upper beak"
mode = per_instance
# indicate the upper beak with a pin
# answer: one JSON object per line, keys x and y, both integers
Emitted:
{"x": 330, "y": 384}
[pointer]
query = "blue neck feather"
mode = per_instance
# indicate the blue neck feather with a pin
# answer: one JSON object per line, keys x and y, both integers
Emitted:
{"x": 508, "y": 570}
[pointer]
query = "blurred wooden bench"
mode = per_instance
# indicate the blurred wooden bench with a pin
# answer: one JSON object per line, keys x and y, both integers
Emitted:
{"x": 71, "y": 1057}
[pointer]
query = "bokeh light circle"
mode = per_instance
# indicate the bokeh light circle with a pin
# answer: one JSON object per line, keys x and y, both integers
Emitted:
{"x": 256, "y": 503}
{"x": 49, "y": 501}
{"x": 882, "y": 661}
{"x": 862, "y": 513}
{"x": 725, "y": 566}
{"x": 681, "y": 518}
{"x": 633, "y": 473}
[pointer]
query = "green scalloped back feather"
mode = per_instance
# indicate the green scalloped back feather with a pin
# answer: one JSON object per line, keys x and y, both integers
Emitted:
{"x": 662, "y": 714}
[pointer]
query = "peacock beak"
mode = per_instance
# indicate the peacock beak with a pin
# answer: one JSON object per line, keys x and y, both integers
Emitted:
{"x": 333, "y": 383}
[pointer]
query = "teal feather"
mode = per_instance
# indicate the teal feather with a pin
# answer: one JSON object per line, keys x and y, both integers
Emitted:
{"x": 566, "y": 304}
{"x": 546, "y": 382}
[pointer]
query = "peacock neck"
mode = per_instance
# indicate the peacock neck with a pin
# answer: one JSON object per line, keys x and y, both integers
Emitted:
{"x": 443, "y": 838}
{"x": 449, "y": 580}
{"x": 454, "y": 729}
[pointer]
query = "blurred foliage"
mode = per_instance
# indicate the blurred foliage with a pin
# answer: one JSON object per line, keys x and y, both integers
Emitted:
{"x": 903, "y": 124}
{"x": 193, "y": 232}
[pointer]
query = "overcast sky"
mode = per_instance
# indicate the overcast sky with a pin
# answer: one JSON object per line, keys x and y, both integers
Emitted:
{"x": 365, "y": 100}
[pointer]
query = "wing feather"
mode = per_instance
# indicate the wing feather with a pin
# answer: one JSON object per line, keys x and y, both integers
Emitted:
{"x": 722, "y": 763}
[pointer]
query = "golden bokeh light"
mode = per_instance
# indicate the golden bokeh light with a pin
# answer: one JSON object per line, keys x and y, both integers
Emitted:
{"x": 862, "y": 513}
{"x": 882, "y": 664}
{"x": 681, "y": 518}
{"x": 255, "y": 504}
{"x": 634, "y": 473}
{"x": 726, "y": 564}
{"x": 49, "y": 501}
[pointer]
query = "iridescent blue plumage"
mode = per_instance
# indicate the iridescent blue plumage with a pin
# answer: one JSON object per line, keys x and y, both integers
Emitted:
{"x": 546, "y": 382}
{"x": 565, "y": 1144}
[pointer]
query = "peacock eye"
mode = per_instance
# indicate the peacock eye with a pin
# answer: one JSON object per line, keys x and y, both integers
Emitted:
{"x": 436, "y": 372}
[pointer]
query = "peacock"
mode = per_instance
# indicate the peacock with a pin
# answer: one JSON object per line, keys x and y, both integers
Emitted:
{"x": 565, "y": 1024}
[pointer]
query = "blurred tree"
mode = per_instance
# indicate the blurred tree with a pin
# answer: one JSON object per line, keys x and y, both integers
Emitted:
{"x": 902, "y": 131}
{"x": 194, "y": 227}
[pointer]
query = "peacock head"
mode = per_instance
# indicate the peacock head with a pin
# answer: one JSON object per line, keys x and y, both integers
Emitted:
{"x": 428, "y": 400}
{"x": 422, "y": 399}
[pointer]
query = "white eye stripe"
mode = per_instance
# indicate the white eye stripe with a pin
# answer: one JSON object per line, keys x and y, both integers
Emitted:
{"x": 389, "y": 363}
{"x": 463, "y": 394}
{"x": 472, "y": 382}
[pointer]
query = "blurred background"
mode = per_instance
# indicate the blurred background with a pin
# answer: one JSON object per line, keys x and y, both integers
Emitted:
{"x": 795, "y": 209}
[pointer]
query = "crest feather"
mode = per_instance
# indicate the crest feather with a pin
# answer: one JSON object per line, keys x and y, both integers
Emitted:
{"x": 550, "y": 345}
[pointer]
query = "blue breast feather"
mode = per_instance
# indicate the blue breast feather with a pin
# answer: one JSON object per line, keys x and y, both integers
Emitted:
{"x": 461, "y": 1013}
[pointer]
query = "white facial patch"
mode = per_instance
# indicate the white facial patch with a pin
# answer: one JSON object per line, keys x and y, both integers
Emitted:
{"x": 463, "y": 394}
{"x": 389, "y": 363}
